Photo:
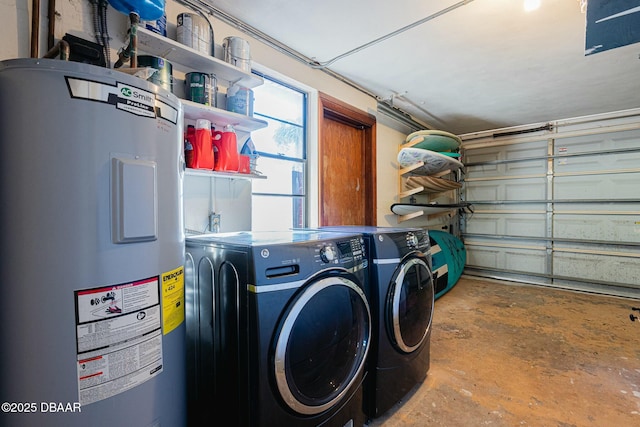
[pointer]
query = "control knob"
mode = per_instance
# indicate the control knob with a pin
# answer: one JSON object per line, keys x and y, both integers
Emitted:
{"x": 327, "y": 254}
{"x": 412, "y": 240}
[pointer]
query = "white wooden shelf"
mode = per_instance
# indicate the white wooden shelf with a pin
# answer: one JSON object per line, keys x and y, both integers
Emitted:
{"x": 217, "y": 174}
{"x": 220, "y": 118}
{"x": 189, "y": 59}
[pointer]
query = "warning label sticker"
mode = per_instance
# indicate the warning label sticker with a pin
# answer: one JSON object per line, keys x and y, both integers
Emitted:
{"x": 119, "y": 338}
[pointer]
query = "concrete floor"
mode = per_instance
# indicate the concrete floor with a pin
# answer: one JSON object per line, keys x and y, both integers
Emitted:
{"x": 504, "y": 354}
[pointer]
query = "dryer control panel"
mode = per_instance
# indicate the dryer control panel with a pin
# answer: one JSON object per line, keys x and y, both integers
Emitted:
{"x": 354, "y": 247}
{"x": 418, "y": 240}
{"x": 347, "y": 253}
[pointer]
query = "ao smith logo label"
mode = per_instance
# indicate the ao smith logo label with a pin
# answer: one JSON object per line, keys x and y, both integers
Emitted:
{"x": 132, "y": 93}
{"x": 124, "y": 97}
{"x": 135, "y": 101}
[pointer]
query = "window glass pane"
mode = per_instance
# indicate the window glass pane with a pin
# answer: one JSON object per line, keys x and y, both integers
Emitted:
{"x": 279, "y": 138}
{"x": 283, "y": 177}
{"x": 275, "y": 100}
{"x": 272, "y": 213}
{"x": 279, "y": 202}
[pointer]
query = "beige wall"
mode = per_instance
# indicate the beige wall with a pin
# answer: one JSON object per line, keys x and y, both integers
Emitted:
{"x": 74, "y": 16}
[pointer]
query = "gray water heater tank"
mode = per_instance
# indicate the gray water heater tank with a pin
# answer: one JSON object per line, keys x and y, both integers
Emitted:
{"x": 92, "y": 328}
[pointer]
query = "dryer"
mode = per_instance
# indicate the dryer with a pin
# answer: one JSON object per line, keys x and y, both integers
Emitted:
{"x": 402, "y": 301}
{"x": 278, "y": 328}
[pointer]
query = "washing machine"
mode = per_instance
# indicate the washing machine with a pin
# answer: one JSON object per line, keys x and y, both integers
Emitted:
{"x": 402, "y": 301}
{"x": 278, "y": 328}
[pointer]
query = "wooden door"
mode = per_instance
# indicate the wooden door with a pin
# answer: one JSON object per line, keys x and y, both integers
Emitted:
{"x": 347, "y": 164}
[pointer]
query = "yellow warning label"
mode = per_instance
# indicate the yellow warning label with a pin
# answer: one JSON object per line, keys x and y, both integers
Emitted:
{"x": 172, "y": 299}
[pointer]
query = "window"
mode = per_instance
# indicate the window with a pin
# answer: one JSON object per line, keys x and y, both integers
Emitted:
{"x": 278, "y": 202}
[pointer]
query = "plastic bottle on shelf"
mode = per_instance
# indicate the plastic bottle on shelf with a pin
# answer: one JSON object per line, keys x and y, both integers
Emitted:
{"x": 240, "y": 100}
{"x": 249, "y": 150}
{"x": 225, "y": 143}
{"x": 189, "y": 142}
{"x": 203, "y": 157}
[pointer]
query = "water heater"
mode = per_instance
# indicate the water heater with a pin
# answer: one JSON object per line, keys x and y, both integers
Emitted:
{"x": 92, "y": 248}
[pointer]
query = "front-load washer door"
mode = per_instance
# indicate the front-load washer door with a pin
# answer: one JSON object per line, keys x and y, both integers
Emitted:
{"x": 322, "y": 343}
{"x": 409, "y": 304}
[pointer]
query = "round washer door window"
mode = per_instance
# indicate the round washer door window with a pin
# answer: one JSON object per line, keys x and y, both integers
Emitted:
{"x": 322, "y": 344}
{"x": 409, "y": 305}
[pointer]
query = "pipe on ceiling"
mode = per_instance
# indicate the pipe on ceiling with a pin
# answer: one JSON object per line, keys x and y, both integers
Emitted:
{"x": 286, "y": 50}
{"x": 391, "y": 34}
{"x": 275, "y": 44}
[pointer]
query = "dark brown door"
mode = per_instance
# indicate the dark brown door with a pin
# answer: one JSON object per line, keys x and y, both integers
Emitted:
{"x": 347, "y": 169}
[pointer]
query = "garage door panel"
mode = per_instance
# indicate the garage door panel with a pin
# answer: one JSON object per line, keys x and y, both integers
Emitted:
{"x": 520, "y": 189}
{"x": 525, "y": 189}
{"x": 524, "y": 260}
{"x": 599, "y": 142}
{"x": 484, "y": 224}
{"x": 503, "y": 171}
{"x": 605, "y": 161}
{"x": 501, "y": 258}
{"x": 485, "y": 156}
{"x": 597, "y": 268}
{"x": 524, "y": 150}
{"x": 527, "y": 225}
{"x": 601, "y": 186}
{"x": 598, "y": 208}
{"x": 482, "y": 191}
{"x": 523, "y": 159}
{"x": 608, "y": 228}
{"x": 481, "y": 171}
{"x": 484, "y": 257}
{"x": 530, "y": 167}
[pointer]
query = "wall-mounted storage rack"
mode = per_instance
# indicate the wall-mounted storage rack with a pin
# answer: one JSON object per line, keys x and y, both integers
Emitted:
{"x": 189, "y": 59}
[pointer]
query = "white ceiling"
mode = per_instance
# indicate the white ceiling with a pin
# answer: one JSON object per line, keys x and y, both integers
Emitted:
{"x": 485, "y": 64}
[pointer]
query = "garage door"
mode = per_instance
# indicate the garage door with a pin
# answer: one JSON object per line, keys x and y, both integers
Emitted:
{"x": 556, "y": 203}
